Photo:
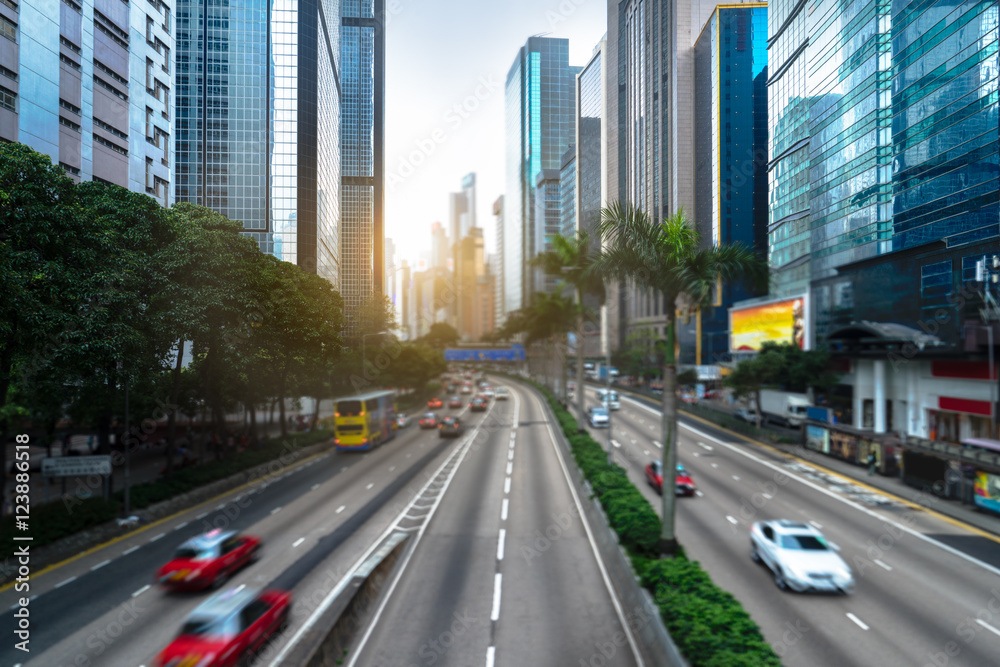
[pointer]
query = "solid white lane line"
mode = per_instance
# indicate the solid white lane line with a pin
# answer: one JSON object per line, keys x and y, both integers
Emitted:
{"x": 369, "y": 486}
{"x": 201, "y": 516}
{"x": 275, "y": 511}
{"x": 860, "y": 623}
{"x": 153, "y": 539}
{"x": 503, "y": 510}
{"x": 616, "y": 444}
{"x": 506, "y": 485}
{"x": 65, "y": 581}
{"x": 490, "y": 655}
{"x": 130, "y": 550}
{"x": 510, "y": 467}
{"x": 731, "y": 519}
{"x": 882, "y": 565}
{"x": 298, "y": 542}
{"x": 314, "y": 487}
{"x": 816, "y": 524}
{"x": 495, "y": 614}
{"x": 341, "y": 509}
{"x": 100, "y": 565}
{"x": 987, "y": 626}
{"x": 503, "y": 537}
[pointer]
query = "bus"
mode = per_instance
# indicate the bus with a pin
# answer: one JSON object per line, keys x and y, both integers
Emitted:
{"x": 365, "y": 421}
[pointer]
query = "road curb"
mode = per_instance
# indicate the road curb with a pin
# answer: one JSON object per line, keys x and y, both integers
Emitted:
{"x": 658, "y": 646}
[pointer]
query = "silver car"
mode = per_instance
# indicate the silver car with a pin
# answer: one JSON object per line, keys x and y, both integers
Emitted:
{"x": 799, "y": 557}
{"x": 598, "y": 417}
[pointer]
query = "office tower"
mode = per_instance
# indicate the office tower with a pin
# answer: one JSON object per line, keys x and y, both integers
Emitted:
{"x": 88, "y": 83}
{"x": 470, "y": 271}
{"x": 362, "y": 82}
{"x": 730, "y": 165}
{"x": 257, "y": 113}
{"x": 540, "y": 105}
{"x": 567, "y": 193}
{"x": 499, "y": 268}
{"x": 547, "y": 220}
{"x": 461, "y": 219}
{"x": 440, "y": 246}
{"x": 590, "y": 103}
{"x": 390, "y": 274}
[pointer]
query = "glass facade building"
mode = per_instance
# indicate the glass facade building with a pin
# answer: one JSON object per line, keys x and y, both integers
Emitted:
{"x": 89, "y": 83}
{"x": 540, "y": 108}
{"x": 567, "y": 194}
{"x": 589, "y": 144}
{"x": 257, "y": 91}
{"x": 362, "y": 142}
{"x": 788, "y": 130}
{"x": 730, "y": 159}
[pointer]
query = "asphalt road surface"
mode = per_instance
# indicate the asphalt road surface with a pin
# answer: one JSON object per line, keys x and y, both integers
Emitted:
{"x": 928, "y": 588}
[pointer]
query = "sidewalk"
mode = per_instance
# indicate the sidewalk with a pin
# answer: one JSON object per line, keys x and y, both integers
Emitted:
{"x": 952, "y": 509}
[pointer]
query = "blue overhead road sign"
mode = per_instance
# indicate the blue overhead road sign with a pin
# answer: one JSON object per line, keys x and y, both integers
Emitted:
{"x": 513, "y": 353}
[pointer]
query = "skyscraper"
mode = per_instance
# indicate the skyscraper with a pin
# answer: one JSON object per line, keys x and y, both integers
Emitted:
{"x": 500, "y": 312}
{"x": 89, "y": 83}
{"x": 362, "y": 83}
{"x": 257, "y": 113}
{"x": 439, "y": 246}
{"x": 567, "y": 193}
{"x": 539, "y": 109}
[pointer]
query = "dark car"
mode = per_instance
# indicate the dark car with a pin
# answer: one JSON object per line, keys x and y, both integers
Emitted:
{"x": 206, "y": 561}
{"x": 429, "y": 420}
{"x": 454, "y": 402}
{"x": 228, "y": 629}
{"x": 478, "y": 404}
{"x": 450, "y": 427}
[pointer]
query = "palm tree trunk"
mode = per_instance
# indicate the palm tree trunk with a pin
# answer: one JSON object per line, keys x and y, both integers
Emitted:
{"x": 579, "y": 361}
{"x": 668, "y": 538}
{"x": 564, "y": 369}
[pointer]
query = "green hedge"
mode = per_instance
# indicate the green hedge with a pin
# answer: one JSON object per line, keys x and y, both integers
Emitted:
{"x": 709, "y": 626}
{"x": 55, "y": 520}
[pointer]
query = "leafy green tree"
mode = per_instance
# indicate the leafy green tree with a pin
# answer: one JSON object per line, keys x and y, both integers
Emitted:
{"x": 440, "y": 335}
{"x": 668, "y": 257}
{"x": 416, "y": 365}
{"x": 573, "y": 260}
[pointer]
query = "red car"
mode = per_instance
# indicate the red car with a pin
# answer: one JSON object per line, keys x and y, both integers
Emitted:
{"x": 683, "y": 484}
{"x": 478, "y": 404}
{"x": 208, "y": 560}
{"x": 455, "y": 402}
{"x": 435, "y": 404}
{"x": 429, "y": 420}
{"x": 227, "y": 629}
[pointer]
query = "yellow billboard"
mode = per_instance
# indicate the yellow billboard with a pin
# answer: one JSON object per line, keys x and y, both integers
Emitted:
{"x": 781, "y": 321}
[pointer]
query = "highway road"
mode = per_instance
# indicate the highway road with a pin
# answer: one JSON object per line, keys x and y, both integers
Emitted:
{"x": 320, "y": 516}
{"x": 505, "y": 574}
{"x": 928, "y": 589}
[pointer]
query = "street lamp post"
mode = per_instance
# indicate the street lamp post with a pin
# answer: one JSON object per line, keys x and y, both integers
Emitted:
{"x": 607, "y": 406}
{"x": 363, "y": 337}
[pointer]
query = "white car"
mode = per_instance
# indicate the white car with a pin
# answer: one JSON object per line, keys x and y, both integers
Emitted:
{"x": 502, "y": 394}
{"x": 597, "y": 416}
{"x": 799, "y": 557}
{"x": 609, "y": 399}
{"x": 489, "y": 392}
{"x": 746, "y": 414}
{"x": 402, "y": 421}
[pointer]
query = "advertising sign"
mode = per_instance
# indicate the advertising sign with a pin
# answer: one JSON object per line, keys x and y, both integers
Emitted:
{"x": 783, "y": 321}
{"x": 73, "y": 466}
{"x": 818, "y": 438}
{"x": 987, "y": 491}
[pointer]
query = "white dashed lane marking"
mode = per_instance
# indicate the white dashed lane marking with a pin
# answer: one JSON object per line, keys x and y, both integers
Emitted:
{"x": 298, "y": 542}
{"x": 731, "y": 520}
{"x": 130, "y": 550}
{"x": 100, "y": 565}
{"x": 861, "y": 624}
{"x": 141, "y": 591}
{"x": 341, "y": 509}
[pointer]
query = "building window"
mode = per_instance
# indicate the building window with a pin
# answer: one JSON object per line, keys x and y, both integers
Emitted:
{"x": 8, "y": 99}
{"x": 63, "y": 58}
{"x": 111, "y": 130}
{"x": 69, "y": 45}
{"x": 69, "y": 106}
{"x": 70, "y": 124}
{"x": 104, "y": 142}
{"x": 10, "y": 3}
{"x": 70, "y": 169}
{"x": 8, "y": 29}
{"x": 10, "y": 74}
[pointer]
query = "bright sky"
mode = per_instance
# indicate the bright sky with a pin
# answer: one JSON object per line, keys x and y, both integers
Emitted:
{"x": 444, "y": 53}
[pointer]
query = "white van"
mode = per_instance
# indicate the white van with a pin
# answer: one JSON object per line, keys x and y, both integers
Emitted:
{"x": 609, "y": 399}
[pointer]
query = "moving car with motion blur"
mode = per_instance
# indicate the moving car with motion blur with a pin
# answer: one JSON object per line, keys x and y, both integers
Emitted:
{"x": 450, "y": 427}
{"x": 402, "y": 421}
{"x": 502, "y": 393}
{"x": 478, "y": 404}
{"x": 454, "y": 402}
{"x": 683, "y": 484}
{"x": 799, "y": 557}
{"x": 435, "y": 404}
{"x": 208, "y": 560}
{"x": 489, "y": 392}
{"x": 228, "y": 629}
{"x": 597, "y": 417}
{"x": 429, "y": 420}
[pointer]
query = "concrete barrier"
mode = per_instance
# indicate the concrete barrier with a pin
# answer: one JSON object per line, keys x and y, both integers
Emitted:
{"x": 327, "y": 641}
{"x": 643, "y": 615}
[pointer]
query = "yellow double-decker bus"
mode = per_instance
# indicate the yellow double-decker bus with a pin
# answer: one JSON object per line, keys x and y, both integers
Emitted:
{"x": 365, "y": 421}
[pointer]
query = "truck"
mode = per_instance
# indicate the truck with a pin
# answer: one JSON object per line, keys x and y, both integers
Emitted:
{"x": 600, "y": 372}
{"x": 784, "y": 407}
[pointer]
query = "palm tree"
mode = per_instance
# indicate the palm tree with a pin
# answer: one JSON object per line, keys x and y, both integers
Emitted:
{"x": 572, "y": 260}
{"x": 547, "y": 319}
{"x": 667, "y": 257}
